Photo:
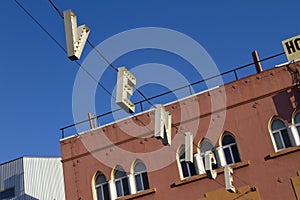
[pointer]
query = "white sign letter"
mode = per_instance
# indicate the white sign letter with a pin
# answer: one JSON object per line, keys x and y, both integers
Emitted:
{"x": 163, "y": 123}
{"x": 76, "y": 36}
{"x": 188, "y": 147}
{"x": 210, "y": 159}
{"x": 124, "y": 83}
{"x": 229, "y": 179}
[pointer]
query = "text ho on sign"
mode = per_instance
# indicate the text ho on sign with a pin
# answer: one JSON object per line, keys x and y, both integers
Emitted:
{"x": 76, "y": 37}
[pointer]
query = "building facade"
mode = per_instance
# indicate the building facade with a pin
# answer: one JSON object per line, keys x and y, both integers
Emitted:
{"x": 252, "y": 125}
{"x": 32, "y": 178}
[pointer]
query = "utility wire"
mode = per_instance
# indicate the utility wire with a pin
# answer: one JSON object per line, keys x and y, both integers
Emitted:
{"x": 101, "y": 54}
{"x": 85, "y": 70}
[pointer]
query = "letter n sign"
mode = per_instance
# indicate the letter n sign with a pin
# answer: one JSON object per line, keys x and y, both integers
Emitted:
{"x": 292, "y": 48}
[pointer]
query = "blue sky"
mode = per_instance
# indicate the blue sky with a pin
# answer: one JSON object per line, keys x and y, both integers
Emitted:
{"x": 36, "y": 79}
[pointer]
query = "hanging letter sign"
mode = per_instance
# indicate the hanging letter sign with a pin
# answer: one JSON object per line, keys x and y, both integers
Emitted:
{"x": 76, "y": 36}
{"x": 210, "y": 159}
{"x": 124, "y": 83}
{"x": 229, "y": 179}
{"x": 188, "y": 147}
{"x": 163, "y": 123}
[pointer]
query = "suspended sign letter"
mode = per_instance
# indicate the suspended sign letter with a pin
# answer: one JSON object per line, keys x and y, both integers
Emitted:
{"x": 124, "y": 83}
{"x": 229, "y": 179}
{"x": 163, "y": 123}
{"x": 210, "y": 159}
{"x": 188, "y": 147}
{"x": 76, "y": 36}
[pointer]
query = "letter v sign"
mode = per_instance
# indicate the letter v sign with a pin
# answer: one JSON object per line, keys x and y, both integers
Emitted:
{"x": 76, "y": 36}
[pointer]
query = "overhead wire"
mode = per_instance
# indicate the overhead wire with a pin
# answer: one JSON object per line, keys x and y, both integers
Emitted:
{"x": 115, "y": 68}
{"x": 64, "y": 50}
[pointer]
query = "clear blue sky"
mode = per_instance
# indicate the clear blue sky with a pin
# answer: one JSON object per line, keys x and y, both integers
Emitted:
{"x": 36, "y": 78}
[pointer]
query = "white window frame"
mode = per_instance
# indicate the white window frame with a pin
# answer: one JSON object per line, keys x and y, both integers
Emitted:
{"x": 141, "y": 178}
{"x": 100, "y": 186}
{"x": 289, "y": 132}
{"x": 294, "y": 129}
{"x": 229, "y": 146}
{"x": 122, "y": 187}
{"x": 179, "y": 160}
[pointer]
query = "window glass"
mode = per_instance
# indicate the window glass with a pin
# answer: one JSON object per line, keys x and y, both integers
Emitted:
{"x": 99, "y": 194}
{"x": 278, "y": 141}
{"x": 138, "y": 182}
{"x": 145, "y": 181}
{"x": 228, "y": 156}
{"x": 125, "y": 186}
{"x": 184, "y": 169}
{"x": 119, "y": 188}
{"x": 106, "y": 192}
{"x": 120, "y": 173}
{"x": 192, "y": 168}
{"x": 297, "y": 118}
{"x": 139, "y": 167}
{"x": 286, "y": 138}
{"x": 227, "y": 139}
{"x": 277, "y": 124}
{"x": 205, "y": 146}
{"x": 235, "y": 153}
{"x": 102, "y": 190}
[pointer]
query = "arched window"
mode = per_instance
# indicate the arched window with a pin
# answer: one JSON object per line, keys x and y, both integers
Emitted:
{"x": 206, "y": 146}
{"x": 230, "y": 149}
{"x": 101, "y": 187}
{"x": 121, "y": 182}
{"x": 280, "y": 134}
{"x": 140, "y": 176}
{"x": 187, "y": 169}
{"x": 297, "y": 122}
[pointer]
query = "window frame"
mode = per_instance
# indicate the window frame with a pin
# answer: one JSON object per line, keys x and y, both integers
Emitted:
{"x": 279, "y": 131}
{"x": 294, "y": 128}
{"x": 229, "y": 146}
{"x": 101, "y": 185}
{"x": 120, "y": 179}
{"x": 202, "y": 154}
{"x": 180, "y": 161}
{"x": 140, "y": 176}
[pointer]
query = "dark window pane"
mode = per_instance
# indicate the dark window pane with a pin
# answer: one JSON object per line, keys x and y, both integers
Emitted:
{"x": 99, "y": 193}
{"x": 298, "y": 129}
{"x": 119, "y": 189}
{"x": 192, "y": 169}
{"x": 286, "y": 138}
{"x": 138, "y": 182}
{"x": 145, "y": 181}
{"x": 100, "y": 179}
{"x": 125, "y": 186}
{"x": 139, "y": 167}
{"x": 227, "y": 139}
{"x": 106, "y": 192}
{"x": 184, "y": 169}
{"x": 278, "y": 141}
{"x": 297, "y": 118}
{"x": 228, "y": 156}
{"x": 236, "y": 155}
{"x": 120, "y": 174}
{"x": 277, "y": 124}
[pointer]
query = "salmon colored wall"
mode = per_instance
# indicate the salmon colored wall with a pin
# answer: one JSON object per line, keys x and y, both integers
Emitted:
{"x": 251, "y": 102}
